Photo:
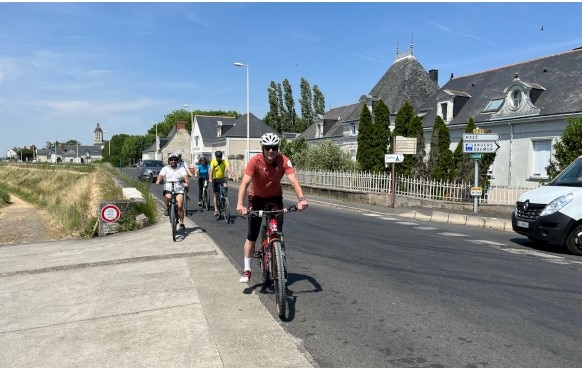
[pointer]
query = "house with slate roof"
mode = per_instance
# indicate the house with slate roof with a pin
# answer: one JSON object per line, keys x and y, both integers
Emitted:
{"x": 233, "y": 143}
{"x": 178, "y": 140}
{"x": 526, "y": 103}
{"x": 205, "y": 129}
{"x": 405, "y": 80}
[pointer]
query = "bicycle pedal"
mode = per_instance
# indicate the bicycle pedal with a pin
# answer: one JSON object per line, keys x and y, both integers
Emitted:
{"x": 256, "y": 254}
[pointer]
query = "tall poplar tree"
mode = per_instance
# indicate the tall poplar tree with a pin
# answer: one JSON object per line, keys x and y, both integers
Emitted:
{"x": 381, "y": 136}
{"x": 464, "y": 166}
{"x": 440, "y": 161}
{"x": 318, "y": 101}
{"x": 306, "y": 103}
{"x": 289, "y": 118}
{"x": 365, "y": 137}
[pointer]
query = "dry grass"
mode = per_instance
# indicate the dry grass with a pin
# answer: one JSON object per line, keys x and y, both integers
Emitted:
{"x": 67, "y": 196}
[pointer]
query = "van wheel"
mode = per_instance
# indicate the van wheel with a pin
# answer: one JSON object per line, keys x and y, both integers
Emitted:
{"x": 574, "y": 241}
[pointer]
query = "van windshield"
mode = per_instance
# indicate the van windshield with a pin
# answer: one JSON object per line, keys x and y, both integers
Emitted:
{"x": 571, "y": 176}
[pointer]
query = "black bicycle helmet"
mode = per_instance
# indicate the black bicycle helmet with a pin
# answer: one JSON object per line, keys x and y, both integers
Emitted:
{"x": 218, "y": 154}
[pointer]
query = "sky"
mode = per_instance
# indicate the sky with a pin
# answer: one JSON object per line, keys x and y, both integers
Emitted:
{"x": 64, "y": 67}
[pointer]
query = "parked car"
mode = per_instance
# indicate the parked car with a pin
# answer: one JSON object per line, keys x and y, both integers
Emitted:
{"x": 148, "y": 170}
{"x": 553, "y": 213}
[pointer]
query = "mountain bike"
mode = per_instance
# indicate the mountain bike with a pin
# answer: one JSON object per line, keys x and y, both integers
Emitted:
{"x": 185, "y": 201}
{"x": 223, "y": 204}
{"x": 271, "y": 256}
{"x": 205, "y": 196}
{"x": 173, "y": 210}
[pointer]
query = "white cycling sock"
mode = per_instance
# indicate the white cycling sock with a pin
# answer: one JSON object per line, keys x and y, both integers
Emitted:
{"x": 247, "y": 264}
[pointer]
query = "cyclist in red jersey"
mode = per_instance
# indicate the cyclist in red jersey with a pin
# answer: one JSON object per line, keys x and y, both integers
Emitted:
{"x": 263, "y": 173}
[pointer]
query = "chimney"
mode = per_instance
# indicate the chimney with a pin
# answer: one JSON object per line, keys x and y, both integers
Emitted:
{"x": 180, "y": 125}
{"x": 434, "y": 75}
{"x": 62, "y": 147}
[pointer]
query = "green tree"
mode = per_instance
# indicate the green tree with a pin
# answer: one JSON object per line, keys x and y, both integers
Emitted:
{"x": 440, "y": 161}
{"x": 274, "y": 117}
{"x": 328, "y": 156}
{"x": 318, "y": 101}
{"x": 418, "y": 167}
{"x": 296, "y": 151}
{"x": 306, "y": 103}
{"x": 133, "y": 147}
{"x": 568, "y": 148}
{"x": 289, "y": 118}
{"x": 381, "y": 136}
{"x": 365, "y": 138}
{"x": 402, "y": 128}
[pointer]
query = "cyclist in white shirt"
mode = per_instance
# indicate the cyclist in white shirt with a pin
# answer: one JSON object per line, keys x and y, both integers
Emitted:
{"x": 169, "y": 173}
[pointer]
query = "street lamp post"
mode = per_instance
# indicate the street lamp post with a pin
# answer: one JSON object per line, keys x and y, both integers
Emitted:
{"x": 247, "y": 156}
{"x": 157, "y": 142}
{"x": 108, "y": 142}
{"x": 191, "y": 128}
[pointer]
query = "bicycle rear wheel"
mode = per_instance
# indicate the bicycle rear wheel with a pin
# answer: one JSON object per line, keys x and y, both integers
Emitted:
{"x": 226, "y": 210}
{"x": 279, "y": 283}
{"x": 173, "y": 220}
{"x": 205, "y": 200}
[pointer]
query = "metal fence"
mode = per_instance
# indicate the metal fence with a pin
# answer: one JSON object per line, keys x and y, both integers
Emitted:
{"x": 405, "y": 186}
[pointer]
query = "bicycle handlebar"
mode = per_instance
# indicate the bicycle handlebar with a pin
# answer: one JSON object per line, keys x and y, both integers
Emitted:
{"x": 260, "y": 213}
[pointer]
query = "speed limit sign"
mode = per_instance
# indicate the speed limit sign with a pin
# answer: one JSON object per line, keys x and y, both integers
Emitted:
{"x": 110, "y": 213}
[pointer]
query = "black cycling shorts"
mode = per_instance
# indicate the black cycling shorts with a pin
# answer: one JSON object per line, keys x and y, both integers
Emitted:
{"x": 257, "y": 203}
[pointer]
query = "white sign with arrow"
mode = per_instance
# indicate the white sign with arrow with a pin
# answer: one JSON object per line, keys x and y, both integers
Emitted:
{"x": 393, "y": 158}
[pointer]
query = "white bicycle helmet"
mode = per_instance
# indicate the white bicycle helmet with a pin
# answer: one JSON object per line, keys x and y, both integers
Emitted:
{"x": 174, "y": 155}
{"x": 270, "y": 139}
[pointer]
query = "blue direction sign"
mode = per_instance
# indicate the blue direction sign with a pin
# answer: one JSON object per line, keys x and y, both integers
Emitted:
{"x": 480, "y": 147}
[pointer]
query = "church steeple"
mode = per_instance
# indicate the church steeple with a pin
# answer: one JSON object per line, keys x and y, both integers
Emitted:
{"x": 98, "y": 136}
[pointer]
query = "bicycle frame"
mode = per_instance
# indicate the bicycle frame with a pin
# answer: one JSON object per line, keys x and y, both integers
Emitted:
{"x": 271, "y": 256}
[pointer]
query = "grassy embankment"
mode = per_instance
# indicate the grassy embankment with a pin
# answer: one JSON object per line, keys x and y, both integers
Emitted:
{"x": 68, "y": 196}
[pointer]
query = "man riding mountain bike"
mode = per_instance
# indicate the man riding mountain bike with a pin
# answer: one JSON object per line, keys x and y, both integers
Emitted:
{"x": 264, "y": 171}
{"x": 218, "y": 168}
{"x": 170, "y": 173}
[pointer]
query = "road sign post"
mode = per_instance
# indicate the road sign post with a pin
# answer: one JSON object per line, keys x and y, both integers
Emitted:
{"x": 476, "y": 144}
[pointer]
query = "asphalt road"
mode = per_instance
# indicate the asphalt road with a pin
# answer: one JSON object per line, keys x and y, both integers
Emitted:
{"x": 368, "y": 290}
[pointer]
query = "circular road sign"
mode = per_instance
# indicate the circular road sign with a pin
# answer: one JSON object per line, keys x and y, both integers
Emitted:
{"x": 110, "y": 213}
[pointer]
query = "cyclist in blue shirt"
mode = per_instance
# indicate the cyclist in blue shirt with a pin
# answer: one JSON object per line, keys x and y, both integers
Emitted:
{"x": 202, "y": 174}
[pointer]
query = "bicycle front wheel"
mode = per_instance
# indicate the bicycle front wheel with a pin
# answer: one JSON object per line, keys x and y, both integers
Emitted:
{"x": 226, "y": 210}
{"x": 279, "y": 283}
{"x": 173, "y": 219}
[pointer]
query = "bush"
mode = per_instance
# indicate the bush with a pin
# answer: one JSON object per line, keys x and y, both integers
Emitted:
{"x": 4, "y": 197}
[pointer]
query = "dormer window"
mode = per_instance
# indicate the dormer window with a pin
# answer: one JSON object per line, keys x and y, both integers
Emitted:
{"x": 516, "y": 98}
{"x": 494, "y": 105}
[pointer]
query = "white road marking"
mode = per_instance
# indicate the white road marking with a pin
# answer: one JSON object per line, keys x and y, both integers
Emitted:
{"x": 488, "y": 242}
{"x": 372, "y": 214}
{"x": 406, "y": 223}
{"x": 389, "y": 218}
{"x": 452, "y": 234}
{"x": 426, "y": 228}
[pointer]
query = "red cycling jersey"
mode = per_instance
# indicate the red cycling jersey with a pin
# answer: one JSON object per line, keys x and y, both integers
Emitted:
{"x": 266, "y": 178}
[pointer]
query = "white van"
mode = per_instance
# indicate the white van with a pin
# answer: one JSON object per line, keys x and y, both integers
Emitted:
{"x": 553, "y": 213}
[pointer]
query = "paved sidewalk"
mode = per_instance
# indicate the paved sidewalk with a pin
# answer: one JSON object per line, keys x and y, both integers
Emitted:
{"x": 134, "y": 299}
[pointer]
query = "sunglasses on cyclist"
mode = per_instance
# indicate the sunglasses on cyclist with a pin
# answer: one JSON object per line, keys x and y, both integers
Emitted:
{"x": 173, "y": 159}
{"x": 269, "y": 148}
